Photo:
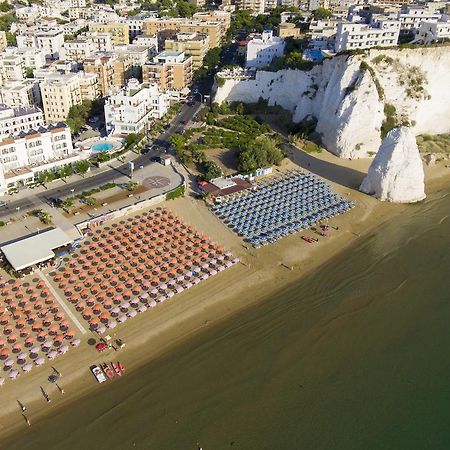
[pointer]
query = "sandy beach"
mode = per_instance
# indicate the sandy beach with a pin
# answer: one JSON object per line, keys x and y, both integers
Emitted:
{"x": 260, "y": 274}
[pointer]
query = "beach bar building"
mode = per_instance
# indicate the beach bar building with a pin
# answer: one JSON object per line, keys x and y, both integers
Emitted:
{"x": 32, "y": 250}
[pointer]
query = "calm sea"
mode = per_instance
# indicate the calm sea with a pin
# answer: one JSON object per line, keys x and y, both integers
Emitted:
{"x": 355, "y": 356}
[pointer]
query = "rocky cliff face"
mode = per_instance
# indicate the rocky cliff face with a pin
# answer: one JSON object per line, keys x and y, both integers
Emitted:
{"x": 396, "y": 174}
{"x": 348, "y": 95}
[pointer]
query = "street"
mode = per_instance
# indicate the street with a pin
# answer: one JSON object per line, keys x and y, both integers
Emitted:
{"x": 30, "y": 198}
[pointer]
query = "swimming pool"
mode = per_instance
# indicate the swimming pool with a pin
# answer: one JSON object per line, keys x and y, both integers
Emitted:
{"x": 102, "y": 147}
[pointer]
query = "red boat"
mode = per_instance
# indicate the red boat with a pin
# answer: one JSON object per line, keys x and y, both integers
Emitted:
{"x": 309, "y": 239}
{"x": 108, "y": 371}
{"x": 116, "y": 369}
{"x": 121, "y": 366}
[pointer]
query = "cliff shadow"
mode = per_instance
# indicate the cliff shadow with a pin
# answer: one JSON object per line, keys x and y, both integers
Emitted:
{"x": 340, "y": 174}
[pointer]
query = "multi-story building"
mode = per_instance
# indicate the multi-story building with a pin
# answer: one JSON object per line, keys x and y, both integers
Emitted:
{"x": 77, "y": 49}
{"x": 255, "y": 6}
{"x": 15, "y": 120}
{"x": 24, "y": 156}
{"x": 350, "y": 36}
{"x": 315, "y": 4}
{"x": 263, "y": 48}
{"x": 214, "y": 29}
{"x": 137, "y": 54}
{"x": 118, "y": 31}
{"x": 50, "y": 42}
{"x": 130, "y": 110}
{"x": 214, "y": 16}
{"x": 171, "y": 71}
{"x": 411, "y": 16}
{"x": 433, "y": 31}
{"x": 288, "y": 29}
{"x": 192, "y": 44}
{"x": 60, "y": 92}
{"x": 12, "y": 67}
{"x": 102, "y": 42}
{"x": 135, "y": 26}
{"x": 20, "y": 93}
{"x": 111, "y": 70}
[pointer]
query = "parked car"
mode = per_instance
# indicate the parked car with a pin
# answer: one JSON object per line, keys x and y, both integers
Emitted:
{"x": 155, "y": 158}
{"x": 184, "y": 122}
{"x": 3, "y": 204}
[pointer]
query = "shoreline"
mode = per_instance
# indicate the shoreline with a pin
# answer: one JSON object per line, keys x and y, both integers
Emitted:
{"x": 262, "y": 274}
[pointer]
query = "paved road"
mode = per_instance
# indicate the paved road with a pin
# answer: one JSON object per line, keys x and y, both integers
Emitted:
{"x": 104, "y": 176}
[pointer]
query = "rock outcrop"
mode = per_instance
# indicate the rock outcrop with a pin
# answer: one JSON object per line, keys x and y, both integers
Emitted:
{"x": 396, "y": 174}
{"x": 348, "y": 94}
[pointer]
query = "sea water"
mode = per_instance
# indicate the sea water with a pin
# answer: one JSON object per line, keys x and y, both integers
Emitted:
{"x": 355, "y": 356}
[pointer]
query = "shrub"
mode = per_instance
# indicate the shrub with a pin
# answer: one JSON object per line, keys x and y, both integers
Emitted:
{"x": 177, "y": 192}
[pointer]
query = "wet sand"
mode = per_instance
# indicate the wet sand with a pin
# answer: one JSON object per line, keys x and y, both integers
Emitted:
{"x": 260, "y": 275}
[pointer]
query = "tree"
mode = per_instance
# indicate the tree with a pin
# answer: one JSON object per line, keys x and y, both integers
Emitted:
{"x": 132, "y": 186}
{"x": 90, "y": 201}
{"x": 29, "y": 72}
{"x": 132, "y": 139}
{"x": 65, "y": 171}
{"x": 5, "y": 7}
{"x": 68, "y": 203}
{"x": 321, "y": 13}
{"x": 212, "y": 170}
{"x": 178, "y": 142}
{"x": 46, "y": 176}
{"x": 81, "y": 167}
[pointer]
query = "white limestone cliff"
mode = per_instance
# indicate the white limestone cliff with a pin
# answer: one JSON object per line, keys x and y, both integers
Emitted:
{"x": 348, "y": 98}
{"x": 396, "y": 174}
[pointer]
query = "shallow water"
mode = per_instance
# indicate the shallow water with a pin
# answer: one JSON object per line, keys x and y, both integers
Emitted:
{"x": 353, "y": 357}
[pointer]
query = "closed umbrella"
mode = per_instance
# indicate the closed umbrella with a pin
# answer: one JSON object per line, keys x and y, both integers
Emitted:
{"x": 122, "y": 319}
{"x": 21, "y": 357}
{"x": 2, "y": 381}
{"x": 101, "y": 329}
{"x": 132, "y": 313}
{"x": 13, "y": 374}
{"x": 142, "y": 308}
{"x": 63, "y": 349}
{"x": 27, "y": 367}
{"x": 112, "y": 324}
{"x": 75, "y": 342}
{"x": 39, "y": 361}
{"x": 9, "y": 363}
{"x": 52, "y": 354}
{"x": 34, "y": 350}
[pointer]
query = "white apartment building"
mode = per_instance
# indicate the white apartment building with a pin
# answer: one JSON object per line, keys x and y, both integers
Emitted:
{"x": 102, "y": 42}
{"x": 137, "y": 54}
{"x": 130, "y": 110}
{"x": 433, "y": 31}
{"x": 60, "y": 92}
{"x": 20, "y": 93}
{"x": 255, "y": 6}
{"x": 15, "y": 120}
{"x": 411, "y": 16}
{"x": 50, "y": 42}
{"x": 77, "y": 50}
{"x": 23, "y": 157}
{"x": 351, "y": 36}
{"x": 263, "y": 48}
{"x": 147, "y": 41}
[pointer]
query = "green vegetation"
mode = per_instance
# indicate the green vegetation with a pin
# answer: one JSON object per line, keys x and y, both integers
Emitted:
{"x": 2, "y": 224}
{"x": 68, "y": 203}
{"x": 5, "y": 25}
{"x": 5, "y": 7}
{"x": 293, "y": 60}
{"x": 259, "y": 153}
{"x": 439, "y": 143}
{"x": 182, "y": 8}
{"x": 132, "y": 186}
{"x": 365, "y": 66}
{"x": 210, "y": 62}
{"x": 11, "y": 39}
{"x": 43, "y": 216}
{"x": 65, "y": 171}
{"x": 177, "y": 192}
{"x": 72, "y": 37}
{"x": 78, "y": 114}
{"x": 322, "y": 13}
{"x": 390, "y": 121}
{"x": 90, "y": 201}
{"x": 46, "y": 176}
{"x": 29, "y": 72}
{"x": 81, "y": 167}
{"x": 383, "y": 59}
{"x": 244, "y": 22}
{"x": 132, "y": 139}
{"x": 219, "y": 80}
{"x": 414, "y": 80}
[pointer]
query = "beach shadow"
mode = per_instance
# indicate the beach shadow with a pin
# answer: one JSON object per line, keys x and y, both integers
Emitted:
{"x": 92, "y": 341}
{"x": 344, "y": 176}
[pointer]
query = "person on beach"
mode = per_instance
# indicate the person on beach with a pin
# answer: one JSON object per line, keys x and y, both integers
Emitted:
{"x": 23, "y": 408}
{"x": 27, "y": 420}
